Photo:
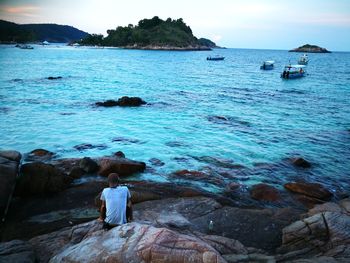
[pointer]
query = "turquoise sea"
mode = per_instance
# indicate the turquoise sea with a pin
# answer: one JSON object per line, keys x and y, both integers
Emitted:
{"x": 227, "y": 118}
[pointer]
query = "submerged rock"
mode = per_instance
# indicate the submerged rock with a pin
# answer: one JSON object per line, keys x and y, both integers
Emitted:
{"x": 313, "y": 190}
{"x": 38, "y": 178}
{"x": 88, "y": 146}
{"x": 54, "y": 78}
{"x": 156, "y": 162}
{"x": 39, "y": 155}
{"x": 300, "y": 162}
{"x": 196, "y": 176}
{"x": 264, "y": 192}
{"x": 107, "y": 103}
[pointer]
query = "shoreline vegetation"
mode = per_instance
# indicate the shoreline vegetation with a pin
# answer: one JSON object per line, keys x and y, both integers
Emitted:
{"x": 151, "y": 34}
{"x": 52, "y": 216}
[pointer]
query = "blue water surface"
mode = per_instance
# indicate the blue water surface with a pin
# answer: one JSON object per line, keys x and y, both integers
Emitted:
{"x": 201, "y": 115}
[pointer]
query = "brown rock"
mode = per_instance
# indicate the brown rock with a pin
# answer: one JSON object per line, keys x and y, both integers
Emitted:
{"x": 264, "y": 192}
{"x": 121, "y": 166}
{"x": 197, "y": 176}
{"x": 76, "y": 173}
{"x": 88, "y": 165}
{"x": 39, "y": 178}
{"x": 314, "y": 190}
{"x": 300, "y": 162}
{"x": 39, "y": 155}
{"x": 130, "y": 101}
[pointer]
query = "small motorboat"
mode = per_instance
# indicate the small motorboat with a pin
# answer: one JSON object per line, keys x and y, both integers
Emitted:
{"x": 293, "y": 71}
{"x": 267, "y": 65}
{"x": 303, "y": 60}
{"x": 217, "y": 57}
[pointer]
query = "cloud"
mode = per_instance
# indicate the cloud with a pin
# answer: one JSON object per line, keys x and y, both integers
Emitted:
{"x": 20, "y": 10}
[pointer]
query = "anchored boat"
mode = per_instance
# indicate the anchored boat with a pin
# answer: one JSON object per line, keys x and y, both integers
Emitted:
{"x": 267, "y": 65}
{"x": 217, "y": 57}
{"x": 303, "y": 60}
{"x": 293, "y": 71}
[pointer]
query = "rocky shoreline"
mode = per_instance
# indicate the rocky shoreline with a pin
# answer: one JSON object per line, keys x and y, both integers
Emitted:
{"x": 168, "y": 48}
{"x": 52, "y": 199}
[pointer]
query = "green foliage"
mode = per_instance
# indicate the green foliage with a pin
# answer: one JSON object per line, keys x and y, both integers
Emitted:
{"x": 153, "y": 31}
{"x": 93, "y": 39}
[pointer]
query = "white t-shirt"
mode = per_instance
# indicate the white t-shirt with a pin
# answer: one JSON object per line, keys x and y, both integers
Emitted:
{"x": 116, "y": 199}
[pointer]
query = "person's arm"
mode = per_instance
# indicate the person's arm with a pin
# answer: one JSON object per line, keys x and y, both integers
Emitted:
{"x": 103, "y": 209}
{"x": 129, "y": 215}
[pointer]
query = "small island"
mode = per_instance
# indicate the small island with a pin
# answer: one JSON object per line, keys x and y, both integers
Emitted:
{"x": 310, "y": 49}
{"x": 151, "y": 34}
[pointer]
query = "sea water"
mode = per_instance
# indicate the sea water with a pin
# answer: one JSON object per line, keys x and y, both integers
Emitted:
{"x": 211, "y": 116}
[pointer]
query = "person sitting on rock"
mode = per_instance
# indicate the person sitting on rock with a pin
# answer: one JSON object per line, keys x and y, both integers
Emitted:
{"x": 116, "y": 203}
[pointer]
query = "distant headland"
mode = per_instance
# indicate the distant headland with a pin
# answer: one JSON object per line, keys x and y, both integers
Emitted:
{"x": 310, "y": 49}
{"x": 151, "y": 34}
{"x": 28, "y": 33}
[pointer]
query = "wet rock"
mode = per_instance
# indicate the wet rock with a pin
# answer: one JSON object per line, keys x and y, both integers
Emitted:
{"x": 88, "y": 165}
{"x": 130, "y": 101}
{"x": 11, "y": 155}
{"x": 118, "y": 245}
{"x": 39, "y": 155}
{"x": 300, "y": 162}
{"x": 313, "y": 190}
{"x": 38, "y": 178}
{"x": 342, "y": 207}
{"x": 54, "y": 78}
{"x": 264, "y": 192}
{"x": 107, "y": 103}
{"x": 9, "y": 162}
{"x": 66, "y": 165}
{"x": 119, "y": 154}
{"x": 121, "y": 166}
{"x": 156, "y": 162}
{"x": 88, "y": 146}
{"x": 76, "y": 173}
{"x": 17, "y": 251}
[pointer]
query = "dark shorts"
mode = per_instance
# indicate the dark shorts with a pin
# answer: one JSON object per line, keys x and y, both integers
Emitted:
{"x": 108, "y": 226}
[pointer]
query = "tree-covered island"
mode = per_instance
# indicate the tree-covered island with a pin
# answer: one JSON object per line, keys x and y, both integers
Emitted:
{"x": 155, "y": 34}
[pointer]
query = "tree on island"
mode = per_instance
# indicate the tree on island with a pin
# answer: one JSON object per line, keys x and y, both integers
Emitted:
{"x": 149, "y": 32}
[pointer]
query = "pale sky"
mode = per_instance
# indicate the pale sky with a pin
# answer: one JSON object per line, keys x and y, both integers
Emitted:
{"x": 265, "y": 24}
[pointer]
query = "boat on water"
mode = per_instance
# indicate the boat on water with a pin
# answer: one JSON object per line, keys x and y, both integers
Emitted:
{"x": 24, "y": 46}
{"x": 217, "y": 57}
{"x": 267, "y": 65}
{"x": 303, "y": 60}
{"x": 293, "y": 71}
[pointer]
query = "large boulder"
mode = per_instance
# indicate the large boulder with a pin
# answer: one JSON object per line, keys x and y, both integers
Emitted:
{"x": 38, "y": 178}
{"x": 17, "y": 251}
{"x": 121, "y": 166}
{"x": 313, "y": 190}
{"x": 323, "y": 234}
{"x": 9, "y": 162}
{"x": 88, "y": 165}
{"x": 136, "y": 242}
{"x": 264, "y": 192}
{"x": 300, "y": 162}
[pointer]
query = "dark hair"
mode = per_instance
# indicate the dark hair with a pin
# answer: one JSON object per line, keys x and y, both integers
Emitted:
{"x": 113, "y": 179}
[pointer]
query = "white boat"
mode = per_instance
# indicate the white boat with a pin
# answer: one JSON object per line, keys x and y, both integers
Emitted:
{"x": 267, "y": 65}
{"x": 303, "y": 60}
{"x": 45, "y": 43}
{"x": 293, "y": 71}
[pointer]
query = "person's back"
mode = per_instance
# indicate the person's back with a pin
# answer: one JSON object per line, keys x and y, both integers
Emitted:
{"x": 115, "y": 201}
